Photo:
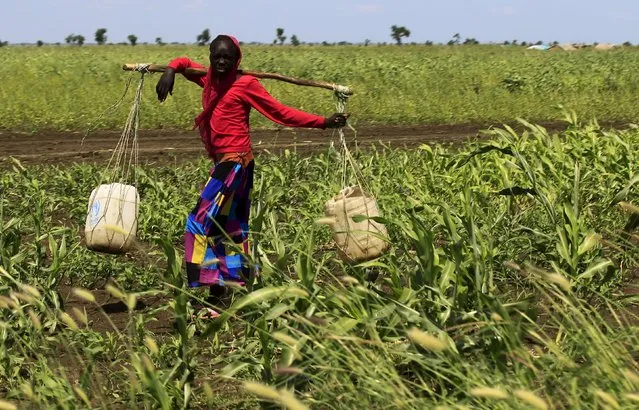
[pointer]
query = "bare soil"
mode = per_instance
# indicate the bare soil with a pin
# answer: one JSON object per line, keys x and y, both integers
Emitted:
{"x": 174, "y": 146}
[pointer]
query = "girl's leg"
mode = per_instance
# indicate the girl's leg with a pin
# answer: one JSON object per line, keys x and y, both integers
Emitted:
{"x": 216, "y": 294}
{"x": 243, "y": 212}
{"x": 236, "y": 245}
{"x": 205, "y": 261}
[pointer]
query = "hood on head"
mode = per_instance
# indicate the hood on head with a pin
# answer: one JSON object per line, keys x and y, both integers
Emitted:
{"x": 237, "y": 47}
{"x": 239, "y": 50}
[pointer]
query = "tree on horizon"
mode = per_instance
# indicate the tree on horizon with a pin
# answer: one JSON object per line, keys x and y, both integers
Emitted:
{"x": 398, "y": 32}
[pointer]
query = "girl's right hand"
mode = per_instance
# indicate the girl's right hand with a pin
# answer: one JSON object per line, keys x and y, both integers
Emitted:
{"x": 165, "y": 84}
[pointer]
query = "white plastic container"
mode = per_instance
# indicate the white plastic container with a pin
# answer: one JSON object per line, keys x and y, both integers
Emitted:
{"x": 112, "y": 218}
{"x": 356, "y": 241}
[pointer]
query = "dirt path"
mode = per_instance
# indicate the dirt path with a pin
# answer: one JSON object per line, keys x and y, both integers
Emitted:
{"x": 171, "y": 145}
{"x": 168, "y": 146}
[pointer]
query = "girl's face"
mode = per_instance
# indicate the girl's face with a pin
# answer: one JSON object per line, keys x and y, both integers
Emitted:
{"x": 223, "y": 57}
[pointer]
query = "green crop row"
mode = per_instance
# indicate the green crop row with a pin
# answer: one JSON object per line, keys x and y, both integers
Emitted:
{"x": 72, "y": 88}
{"x": 501, "y": 287}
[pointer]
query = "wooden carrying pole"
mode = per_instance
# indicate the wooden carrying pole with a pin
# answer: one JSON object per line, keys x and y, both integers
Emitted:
{"x": 156, "y": 68}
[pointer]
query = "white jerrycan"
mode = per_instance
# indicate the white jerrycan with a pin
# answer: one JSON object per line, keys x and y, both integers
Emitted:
{"x": 112, "y": 218}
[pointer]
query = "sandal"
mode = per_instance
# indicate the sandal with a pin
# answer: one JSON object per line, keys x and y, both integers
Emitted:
{"x": 207, "y": 313}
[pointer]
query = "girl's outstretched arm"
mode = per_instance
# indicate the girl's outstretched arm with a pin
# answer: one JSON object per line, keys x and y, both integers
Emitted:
{"x": 257, "y": 96}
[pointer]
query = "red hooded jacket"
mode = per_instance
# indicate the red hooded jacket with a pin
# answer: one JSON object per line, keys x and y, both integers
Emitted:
{"x": 224, "y": 123}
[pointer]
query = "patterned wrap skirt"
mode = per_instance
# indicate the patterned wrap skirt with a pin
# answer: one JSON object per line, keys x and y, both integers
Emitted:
{"x": 216, "y": 237}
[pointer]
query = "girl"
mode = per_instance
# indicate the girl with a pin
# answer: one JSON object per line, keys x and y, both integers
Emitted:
{"x": 222, "y": 211}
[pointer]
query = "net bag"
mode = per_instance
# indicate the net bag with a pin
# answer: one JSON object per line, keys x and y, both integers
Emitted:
{"x": 112, "y": 213}
{"x": 352, "y": 212}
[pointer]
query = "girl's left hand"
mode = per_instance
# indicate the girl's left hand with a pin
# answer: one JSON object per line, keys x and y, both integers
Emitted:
{"x": 337, "y": 120}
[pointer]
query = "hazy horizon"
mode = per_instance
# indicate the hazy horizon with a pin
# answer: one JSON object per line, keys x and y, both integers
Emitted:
{"x": 567, "y": 21}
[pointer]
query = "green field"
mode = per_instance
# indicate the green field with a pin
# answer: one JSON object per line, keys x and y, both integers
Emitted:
{"x": 484, "y": 300}
{"x": 70, "y": 88}
{"x": 508, "y": 283}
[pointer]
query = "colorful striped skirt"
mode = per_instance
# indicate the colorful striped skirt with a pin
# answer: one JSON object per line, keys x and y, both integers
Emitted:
{"x": 216, "y": 238}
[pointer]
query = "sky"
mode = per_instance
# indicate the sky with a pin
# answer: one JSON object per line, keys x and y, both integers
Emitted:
{"x": 613, "y": 21}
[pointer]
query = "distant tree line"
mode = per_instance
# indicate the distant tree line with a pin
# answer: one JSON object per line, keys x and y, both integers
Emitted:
{"x": 76, "y": 39}
{"x": 397, "y": 33}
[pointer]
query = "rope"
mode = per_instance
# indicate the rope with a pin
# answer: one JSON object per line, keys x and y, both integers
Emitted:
{"x": 348, "y": 161}
{"x": 122, "y": 164}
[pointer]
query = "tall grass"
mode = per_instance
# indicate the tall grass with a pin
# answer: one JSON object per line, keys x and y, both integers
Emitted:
{"x": 500, "y": 289}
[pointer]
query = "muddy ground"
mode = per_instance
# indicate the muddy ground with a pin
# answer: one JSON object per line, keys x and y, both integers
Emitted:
{"x": 169, "y": 146}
